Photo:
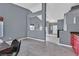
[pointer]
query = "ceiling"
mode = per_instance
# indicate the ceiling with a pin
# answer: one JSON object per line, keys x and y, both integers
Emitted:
{"x": 55, "y": 11}
{"x": 31, "y": 6}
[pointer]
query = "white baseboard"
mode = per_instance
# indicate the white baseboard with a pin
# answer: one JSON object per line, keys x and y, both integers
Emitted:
{"x": 23, "y": 38}
{"x": 64, "y": 45}
{"x": 60, "y": 44}
{"x": 32, "y": 38}
{"x": 9, "y": 42}
{"x": 36, "y": 39}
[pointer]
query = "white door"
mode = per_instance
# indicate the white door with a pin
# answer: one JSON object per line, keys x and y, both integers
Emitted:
{"x": 55, "y": 29}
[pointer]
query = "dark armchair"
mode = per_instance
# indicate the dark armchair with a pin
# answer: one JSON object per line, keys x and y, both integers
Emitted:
{"x": 13, "y": 50}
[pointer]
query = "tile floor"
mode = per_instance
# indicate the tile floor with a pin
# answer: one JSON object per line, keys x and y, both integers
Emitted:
{"x": 52, "y": 38}
{"x": 31, "y": 47}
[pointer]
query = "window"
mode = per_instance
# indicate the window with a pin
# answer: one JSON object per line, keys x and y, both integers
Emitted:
{"x": 32, "y": 27}
{"x": 1, "y": 26}
{"x": 74, "y": 20}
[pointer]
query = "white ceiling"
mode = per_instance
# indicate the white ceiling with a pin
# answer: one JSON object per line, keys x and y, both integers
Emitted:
{"x": 55, "y": 11}
{"x": 31, "y": 6}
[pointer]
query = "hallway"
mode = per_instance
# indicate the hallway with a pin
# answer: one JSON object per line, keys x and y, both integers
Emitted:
{"x": 52, "y": 38}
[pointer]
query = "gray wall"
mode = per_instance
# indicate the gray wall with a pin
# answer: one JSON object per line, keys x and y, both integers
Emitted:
{"x": 51, "y": 27}
{"x": 64, "y": 37}
{"x": 38, "y": 34}
{"x": 70, "y": 20}
{"x": 60, "y": 24}
{"x": 71, "y": 27}
{"x": 47, "y": 27}
{"x": 14, "y": 21}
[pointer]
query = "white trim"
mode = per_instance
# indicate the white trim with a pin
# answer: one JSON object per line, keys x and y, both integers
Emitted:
{"x": 51, "y": 35}
{"x": 64, "y": 45}
{"x": 9, "y": 42}
{"x": 22, "y": 38}
{"x": 36, "y": 39}
{"x": 60, "y": 44}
